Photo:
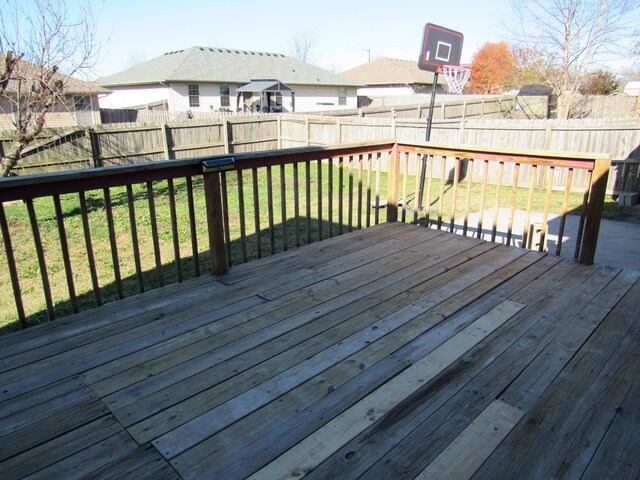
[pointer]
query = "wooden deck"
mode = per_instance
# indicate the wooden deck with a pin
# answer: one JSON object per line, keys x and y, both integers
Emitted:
{"x": 394, "y": 352}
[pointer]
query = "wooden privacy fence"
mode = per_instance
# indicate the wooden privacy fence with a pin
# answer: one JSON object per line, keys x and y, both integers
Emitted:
{"x": 460, "y": 107}
{"x": 75, "y": 240}
{"x": 125, "y": 144}
{"x": 618, "y": 138}
{"x": 131, "y": 143}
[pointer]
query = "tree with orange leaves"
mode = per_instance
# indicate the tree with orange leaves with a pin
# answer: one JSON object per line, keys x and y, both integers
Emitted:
{"x": 491, "y": 69}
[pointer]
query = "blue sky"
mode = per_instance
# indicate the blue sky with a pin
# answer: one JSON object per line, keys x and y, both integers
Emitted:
{"x": 342, "y": 29}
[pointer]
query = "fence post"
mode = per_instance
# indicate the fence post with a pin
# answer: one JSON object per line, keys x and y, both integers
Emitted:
{"x": 215, "y": 223}
{"x": 307, "y": 131}
{"x": 95, "y": 148}
{"x": 597, "y": 192}
{"x": 166, "y": 144}
{"x": 393, "y": 179}
{"x": 226, "y": 131}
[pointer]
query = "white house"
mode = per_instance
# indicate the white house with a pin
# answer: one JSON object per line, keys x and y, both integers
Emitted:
{"x": 632, "y": 88}
{"x": 221, "y": 79}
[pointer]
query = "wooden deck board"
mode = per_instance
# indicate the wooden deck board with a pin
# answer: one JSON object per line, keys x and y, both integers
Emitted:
{"x": 383, "y": 353}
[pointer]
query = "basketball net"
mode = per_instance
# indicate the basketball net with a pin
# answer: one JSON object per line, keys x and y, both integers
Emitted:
{"x": 456, "y": 77}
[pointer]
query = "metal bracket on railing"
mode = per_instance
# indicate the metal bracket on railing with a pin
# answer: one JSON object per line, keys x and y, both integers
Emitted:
{"x": 219, "y": 164}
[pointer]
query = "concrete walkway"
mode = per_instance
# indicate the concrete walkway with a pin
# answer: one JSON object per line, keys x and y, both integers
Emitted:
{"x": 618, "y": 243}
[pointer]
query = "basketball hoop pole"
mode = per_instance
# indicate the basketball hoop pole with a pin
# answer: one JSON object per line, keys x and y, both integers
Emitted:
{"x": 427, "y": 138}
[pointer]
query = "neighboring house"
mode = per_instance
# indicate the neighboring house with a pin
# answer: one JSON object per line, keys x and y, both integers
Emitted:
{"x": 392, "y": 77}
{"x": 222, "y": 79}
{"x": 78, "y": 107}
{"x": 632, "y": 88}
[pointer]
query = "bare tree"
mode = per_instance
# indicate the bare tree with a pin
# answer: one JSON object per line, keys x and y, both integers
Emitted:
{"x": 303, "y": 46}
{"x": 572, "y": 37}
{"x": 42, "y": 44}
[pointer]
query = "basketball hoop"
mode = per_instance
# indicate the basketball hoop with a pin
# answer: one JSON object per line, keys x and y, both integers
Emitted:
{"x": 456, "y": 77}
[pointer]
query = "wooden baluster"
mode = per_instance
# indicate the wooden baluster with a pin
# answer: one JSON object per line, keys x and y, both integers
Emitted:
{"x": 393, "y": 184}
{"x": 456, "y": 176}
{"x": 307, "y": 184}
{"x": 64, "y": 247}
{"x": 272, "y": 237}
{"x": 319, "y": 183}
{"x": 225, "y": 217}
{"x": 468, "y": 199}
{"x": 565, "y": 207}
{"x": 496, "y": 206}
{"x": 404, "y": 186}
{"x": 11, "y": 265}
{"x": 296, "y": 204}
{"x": 350, "y": 198}
{"x": 134, "y": 238}
{"x": 514, "y": 201}
{"x": 256, "y": 212}
{"x": 485, "y": 174}
{"x": 283, "y": 207}
{"x": 583, "y": 215}
{"x": 241, "y": 214}
{"x": 46, "y": 286}
{"x": 154, "y": 234}
{"x": 532, "y": 185}
{"x": 369, "y": 180}
{"x": 443, "y": 179}
{"x": 360, "y": 174}
{"x": 113, "y": 242}
{"x": 330, "y": 196}
{"x": 547, "y": 204}
{"x": 378, "y": 166}
{"x": 89, "y": 245}
{"x": 416, "y": 190}
{"x": 340, "y": 193}
{"x": 192, "y": 227}
{"x": 427, "y": 207}
{"x": 174, "y": 228}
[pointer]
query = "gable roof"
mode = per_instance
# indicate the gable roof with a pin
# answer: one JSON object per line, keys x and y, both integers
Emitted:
{"x": 28, "y": 71}
{"x": 390, "y": 71}
{"x": 223, "y": 65}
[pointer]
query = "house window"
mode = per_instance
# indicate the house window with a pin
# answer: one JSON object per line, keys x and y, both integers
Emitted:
{"x": 194, "y": 95}
{"x": 278, "y": 98}
{"x": 80, "y": 104}
{"x": 342, "y": 96}
{"x": 224, "y": 95}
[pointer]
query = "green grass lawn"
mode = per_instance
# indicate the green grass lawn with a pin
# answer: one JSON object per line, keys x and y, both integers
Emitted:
{"x": 270, "y": 239}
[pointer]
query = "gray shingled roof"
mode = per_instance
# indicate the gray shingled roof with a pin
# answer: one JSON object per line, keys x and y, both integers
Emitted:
{"x": 204, "y": 64}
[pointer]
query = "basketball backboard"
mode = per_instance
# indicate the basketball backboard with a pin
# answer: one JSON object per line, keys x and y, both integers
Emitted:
{"x": 440, "y": 46}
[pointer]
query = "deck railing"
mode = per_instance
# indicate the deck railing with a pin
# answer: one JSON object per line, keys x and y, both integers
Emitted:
{"x": 79, "y": 239}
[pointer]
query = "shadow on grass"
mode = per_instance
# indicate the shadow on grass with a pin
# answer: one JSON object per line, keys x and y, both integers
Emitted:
{"x": 270, "y": 244}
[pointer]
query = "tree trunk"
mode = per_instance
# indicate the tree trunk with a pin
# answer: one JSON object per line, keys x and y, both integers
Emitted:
{"x": 9, "y": 161}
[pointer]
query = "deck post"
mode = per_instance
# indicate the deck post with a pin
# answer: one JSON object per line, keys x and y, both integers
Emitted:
{"x": 215, "y": 223}
{"x": 393, "y": 179}
{"x": 597, "y": 193}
